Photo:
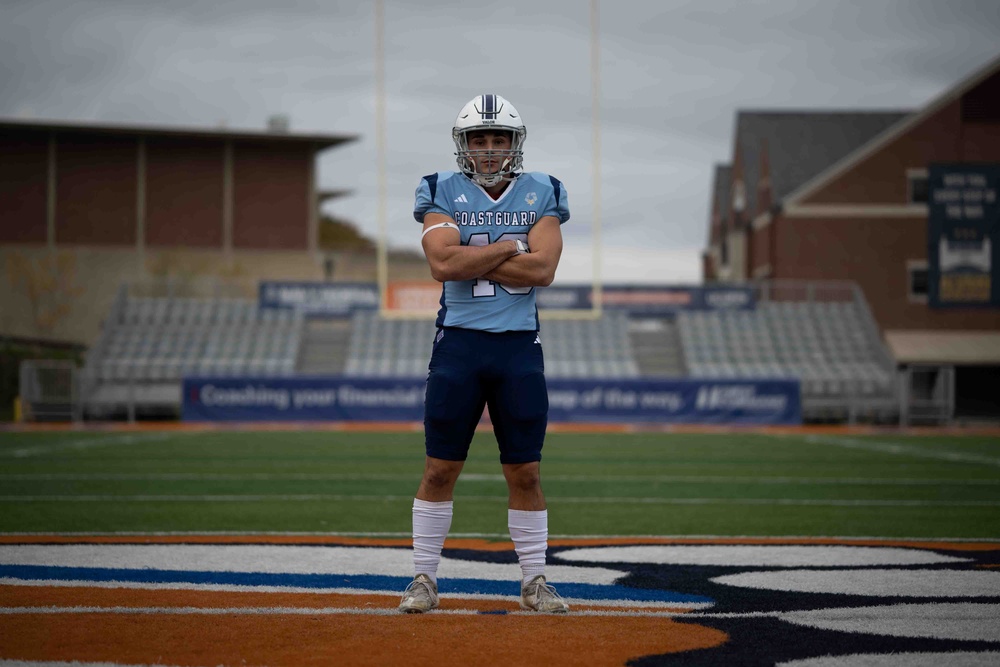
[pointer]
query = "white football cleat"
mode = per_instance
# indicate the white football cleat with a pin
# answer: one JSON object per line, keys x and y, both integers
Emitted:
{"x": 420, "y": 596}
{"x": 536, "y": 595}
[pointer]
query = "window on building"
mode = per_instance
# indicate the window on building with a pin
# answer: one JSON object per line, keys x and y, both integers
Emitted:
{"x": 916, "y": 271}
{"x": 916, "y": 186}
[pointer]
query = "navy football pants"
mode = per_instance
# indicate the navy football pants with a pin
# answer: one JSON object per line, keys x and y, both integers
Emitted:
{"x": 470, "y": 369}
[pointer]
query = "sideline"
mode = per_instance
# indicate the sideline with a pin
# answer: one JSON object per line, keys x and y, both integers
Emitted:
{"x": 573, "y": 500}
{"x": 899, "y": 449}
{"x": 554, "y": 427}
{"x": 474, "y": 478}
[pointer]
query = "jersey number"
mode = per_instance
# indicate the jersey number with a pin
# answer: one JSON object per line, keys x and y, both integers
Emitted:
{"x": 484, "y": 287}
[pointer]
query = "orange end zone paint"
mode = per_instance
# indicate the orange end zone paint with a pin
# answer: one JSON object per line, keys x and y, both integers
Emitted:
{"x": 42, "y": 595}
{"x": 306, "y": 640}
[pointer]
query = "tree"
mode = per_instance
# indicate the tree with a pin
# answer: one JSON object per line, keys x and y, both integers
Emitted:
{"x": 342, "y": 235}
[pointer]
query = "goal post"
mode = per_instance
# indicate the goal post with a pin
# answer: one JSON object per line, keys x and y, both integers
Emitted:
{"x": 403, "y": 299}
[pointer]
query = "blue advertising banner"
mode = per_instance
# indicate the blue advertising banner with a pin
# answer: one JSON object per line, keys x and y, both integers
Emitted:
{"x": 650, "y": 300}
{"x": 342, "y": 299}
{"x": 319, "y": 299}
{"x": 676, "y": 401}
{"x": 302, "y": 399}
{"x": 580, "y": 401}
{"x": 963, "y": 223}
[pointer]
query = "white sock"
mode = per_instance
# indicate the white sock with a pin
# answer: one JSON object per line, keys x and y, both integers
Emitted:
{"x": 530, "y": 533}
{"x": 431, "y": 522}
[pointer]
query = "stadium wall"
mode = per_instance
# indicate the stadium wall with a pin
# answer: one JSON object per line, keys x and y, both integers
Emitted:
{"x": 271, "y": 203}
{"x": 184, "y": 190}
{"x": 95, "y": 191}
{"x": 875, "y": 253}
{"x": 23, "y": 176}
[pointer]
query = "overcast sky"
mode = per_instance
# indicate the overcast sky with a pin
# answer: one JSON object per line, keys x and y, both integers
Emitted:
{"x": 673, "y": 74}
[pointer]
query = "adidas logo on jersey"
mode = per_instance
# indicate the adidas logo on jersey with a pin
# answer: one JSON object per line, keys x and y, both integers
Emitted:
{"x": 461, "y": 199}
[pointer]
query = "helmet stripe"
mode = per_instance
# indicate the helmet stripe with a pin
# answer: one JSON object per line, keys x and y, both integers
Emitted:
{"x": 489, "y": 107}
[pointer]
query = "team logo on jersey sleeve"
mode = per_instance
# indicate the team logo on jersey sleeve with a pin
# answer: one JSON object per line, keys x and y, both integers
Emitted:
{"x": 531, "y": 198}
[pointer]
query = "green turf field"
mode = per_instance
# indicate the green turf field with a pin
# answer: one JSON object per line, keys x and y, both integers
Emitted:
{"x": 642, "y": 484}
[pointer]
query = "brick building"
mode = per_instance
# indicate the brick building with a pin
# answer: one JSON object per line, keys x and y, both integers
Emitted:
{"x": 844, "y": 196}
{"x": 86, "y": 207}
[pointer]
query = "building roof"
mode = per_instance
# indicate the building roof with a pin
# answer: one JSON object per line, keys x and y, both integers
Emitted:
{"x": 984, "y": 75}
{"x": 801, "y": 144}
{"x": 319, "y": 140}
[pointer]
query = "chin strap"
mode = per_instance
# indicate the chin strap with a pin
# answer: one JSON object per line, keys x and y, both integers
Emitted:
{"x": 494, "y": 179}
{"x": 488, "y": 180}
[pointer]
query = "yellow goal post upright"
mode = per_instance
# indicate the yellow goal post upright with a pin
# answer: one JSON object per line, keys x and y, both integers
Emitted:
{"x": 388, "y": 304}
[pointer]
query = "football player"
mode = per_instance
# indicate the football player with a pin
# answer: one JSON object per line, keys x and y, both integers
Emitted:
{"x": 491, "y": 234}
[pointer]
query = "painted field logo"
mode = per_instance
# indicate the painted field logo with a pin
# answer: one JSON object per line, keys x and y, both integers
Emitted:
{"x": 649, "y": 601}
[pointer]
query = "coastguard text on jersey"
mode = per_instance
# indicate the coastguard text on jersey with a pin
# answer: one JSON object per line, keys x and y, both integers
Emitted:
{"x": 498, "y": 218}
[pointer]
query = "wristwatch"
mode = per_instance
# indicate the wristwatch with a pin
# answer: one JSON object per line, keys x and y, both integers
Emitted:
{"x": 522, "y": 247}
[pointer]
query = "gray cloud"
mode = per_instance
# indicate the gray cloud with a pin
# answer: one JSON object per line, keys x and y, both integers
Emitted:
{"x": 673, "y": 73}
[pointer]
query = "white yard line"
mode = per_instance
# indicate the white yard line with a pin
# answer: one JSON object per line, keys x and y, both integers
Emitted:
{"x": 487, "y": 536}
{"x": 313, "y": 497}
{"x": 473, "y": 478}
{"x": 86, "y": 443}
{"x": 74, "y": 663}
{"x": 215, "y": 477}
{"x": 899, "y": 449}
{"x": 367, "y": 611}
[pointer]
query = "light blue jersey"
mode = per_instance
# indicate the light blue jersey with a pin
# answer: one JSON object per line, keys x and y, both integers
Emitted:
{"x": 481, "y": 304}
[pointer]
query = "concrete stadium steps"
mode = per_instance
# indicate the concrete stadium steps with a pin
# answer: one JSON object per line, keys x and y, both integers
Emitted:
{"x": 324, "y": 347}
{"x": 656, "y": 345}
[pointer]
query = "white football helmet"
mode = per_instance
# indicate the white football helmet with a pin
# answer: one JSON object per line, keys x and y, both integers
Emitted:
{"x": 489, "y": 112}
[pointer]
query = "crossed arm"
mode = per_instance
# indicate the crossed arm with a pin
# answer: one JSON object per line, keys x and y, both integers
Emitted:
{"x": 499, "y": 262}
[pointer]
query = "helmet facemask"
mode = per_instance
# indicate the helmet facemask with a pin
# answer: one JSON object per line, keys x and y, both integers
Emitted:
{"x": 511, "y": 159}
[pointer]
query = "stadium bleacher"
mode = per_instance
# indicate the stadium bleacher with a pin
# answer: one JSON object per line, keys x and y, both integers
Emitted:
{"x": 162, "y": 339}
{"x": 385, "y": 347}
{"x": 149, "y": 344}
{"x": 832, "y": 345}
{"x": 829, "y": 346}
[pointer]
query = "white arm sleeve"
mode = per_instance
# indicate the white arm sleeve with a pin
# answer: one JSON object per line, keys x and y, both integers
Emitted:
{"x": 438, "y": 226}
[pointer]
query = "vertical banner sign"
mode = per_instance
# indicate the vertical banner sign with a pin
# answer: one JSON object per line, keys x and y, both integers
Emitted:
{"x": 963, "y": 225}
